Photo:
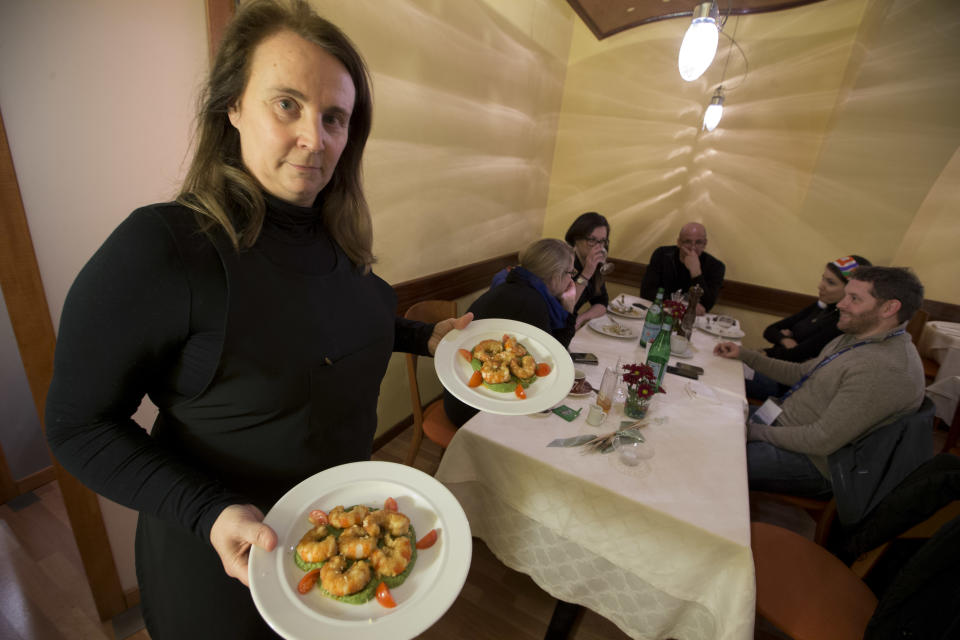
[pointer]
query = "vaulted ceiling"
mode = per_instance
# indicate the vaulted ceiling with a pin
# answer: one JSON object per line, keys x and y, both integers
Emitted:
{"x": 607, "y": 17}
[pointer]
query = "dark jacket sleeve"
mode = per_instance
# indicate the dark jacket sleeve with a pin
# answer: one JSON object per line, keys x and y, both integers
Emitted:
{"x": 810, "y": 346}
{"x": 713, "y": 272}
{"x": 410, "y": 336}
{"x": 124, "y": 320}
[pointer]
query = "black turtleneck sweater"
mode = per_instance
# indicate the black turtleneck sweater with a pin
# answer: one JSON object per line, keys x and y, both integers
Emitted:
{"x": 812, "y": 327}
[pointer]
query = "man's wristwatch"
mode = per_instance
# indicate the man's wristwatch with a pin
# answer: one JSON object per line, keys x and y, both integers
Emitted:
{"x": 581, "y": 280}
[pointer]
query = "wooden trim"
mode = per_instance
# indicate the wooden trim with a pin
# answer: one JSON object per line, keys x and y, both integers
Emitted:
{"x": 30, "y": 317}
{"x": 8, "y": 487}
{"x": 451, "y": 284}
{"x": 754, "y": 297}
{"x": 219, "y": 13}
{"x": 36, "y": 480}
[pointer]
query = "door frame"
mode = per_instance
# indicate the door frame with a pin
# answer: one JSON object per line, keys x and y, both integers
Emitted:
{"x": 33, "y": 329}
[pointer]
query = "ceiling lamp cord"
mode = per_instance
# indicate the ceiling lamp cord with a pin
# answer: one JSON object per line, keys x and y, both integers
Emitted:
{"x": 699, "y": 44}
{"x": 714, "y": 112}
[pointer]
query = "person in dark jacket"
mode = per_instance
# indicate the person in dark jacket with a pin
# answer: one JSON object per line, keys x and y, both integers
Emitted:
{"x": 539, "y": 291}
{"x": 679, "y": 267}
{"x": 804, "y": 334}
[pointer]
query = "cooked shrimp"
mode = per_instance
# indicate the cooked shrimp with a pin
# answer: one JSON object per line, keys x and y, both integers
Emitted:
{"x": 487, "y": 350}
{"x": 514, "y": 348}
{"x": 393, "y": 521}
{"x": 355, "y": 543}
{"x": 495, "y": 371}
{"x": 524, "y": 368}
{"x": 338, "y": 582}
{"x": 317, "y": 545}
{"x": 394, "y": 557}
{"x": 345, "y": 519}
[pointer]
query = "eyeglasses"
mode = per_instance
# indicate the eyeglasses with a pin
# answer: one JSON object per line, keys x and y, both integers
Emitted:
{"x": 595, "y": 241}
{"x": 572, "y": 273}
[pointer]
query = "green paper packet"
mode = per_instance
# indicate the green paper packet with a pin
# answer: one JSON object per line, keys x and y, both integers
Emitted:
{"x": 567, "y": 413}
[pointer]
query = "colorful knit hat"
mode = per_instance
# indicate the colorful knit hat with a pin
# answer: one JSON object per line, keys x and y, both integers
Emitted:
{"x": 845, "y": 266}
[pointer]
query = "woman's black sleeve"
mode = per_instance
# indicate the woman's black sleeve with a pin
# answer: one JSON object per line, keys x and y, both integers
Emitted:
{"x": 124, "y": 320}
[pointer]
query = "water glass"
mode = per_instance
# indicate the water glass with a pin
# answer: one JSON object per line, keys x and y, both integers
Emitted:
{"x": 608, "y": 387}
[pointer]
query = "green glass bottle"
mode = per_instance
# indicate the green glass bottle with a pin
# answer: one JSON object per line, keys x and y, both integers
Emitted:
{"x": 653, "y": 320}
{"x": 659, "y": 353}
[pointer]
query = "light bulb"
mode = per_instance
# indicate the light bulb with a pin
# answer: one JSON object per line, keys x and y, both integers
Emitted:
{"x": 711, "y": 117}
{"x": 699, "y": 43}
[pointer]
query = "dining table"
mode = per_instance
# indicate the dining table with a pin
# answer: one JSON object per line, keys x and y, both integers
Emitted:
{"x": 661, "y": 548}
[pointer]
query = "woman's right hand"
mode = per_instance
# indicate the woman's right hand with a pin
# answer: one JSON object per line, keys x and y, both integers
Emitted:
{"x": 595, "y": 257}
{"x": 236, "y": 529}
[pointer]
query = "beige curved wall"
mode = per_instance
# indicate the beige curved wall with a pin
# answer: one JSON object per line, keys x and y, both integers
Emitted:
{"x": 835, "y": 140}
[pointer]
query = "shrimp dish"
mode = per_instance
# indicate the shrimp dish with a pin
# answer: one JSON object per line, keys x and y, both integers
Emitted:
{"x": 355, "y": 554}
{"x": 504, "y": 365}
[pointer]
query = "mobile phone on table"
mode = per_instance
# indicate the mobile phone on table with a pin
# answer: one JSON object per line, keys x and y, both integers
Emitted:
{"x": 584, "y": 358}
{"x": 689, "y": 367}
{"x": 686, "y": 373}
{"x": 640, "y": 305}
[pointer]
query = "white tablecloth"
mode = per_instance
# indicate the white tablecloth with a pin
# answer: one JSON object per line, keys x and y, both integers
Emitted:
{"x": 662, "y": 549}
{"x": 940, "y": 341}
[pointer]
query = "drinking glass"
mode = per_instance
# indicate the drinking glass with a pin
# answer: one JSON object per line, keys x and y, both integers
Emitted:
{"x": 608, "y": 387}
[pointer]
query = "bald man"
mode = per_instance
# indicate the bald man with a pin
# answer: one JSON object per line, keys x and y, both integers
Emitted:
{"x": 679, "y": 267}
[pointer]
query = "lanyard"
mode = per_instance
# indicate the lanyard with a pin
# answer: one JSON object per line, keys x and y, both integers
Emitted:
{"x": 831, "y": 358}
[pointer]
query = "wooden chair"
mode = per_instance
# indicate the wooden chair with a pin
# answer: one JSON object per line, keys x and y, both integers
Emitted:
{"x": 915, "y": 329}
{"x": 822, "y": 511}
{"x": 431, "y": 419}
{"x": 804, "y": 590}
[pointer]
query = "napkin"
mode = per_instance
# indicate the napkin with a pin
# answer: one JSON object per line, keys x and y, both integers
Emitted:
{"x": 575, "y": 441}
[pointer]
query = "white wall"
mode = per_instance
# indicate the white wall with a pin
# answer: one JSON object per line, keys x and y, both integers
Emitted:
{"x": 97, "y": 99}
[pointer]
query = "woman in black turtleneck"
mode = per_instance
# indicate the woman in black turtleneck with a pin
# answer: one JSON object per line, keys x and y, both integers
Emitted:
{"x": 224, "y": 308}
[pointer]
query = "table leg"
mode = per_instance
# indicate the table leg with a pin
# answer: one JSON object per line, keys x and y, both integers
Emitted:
{"x": 566, "y": 615}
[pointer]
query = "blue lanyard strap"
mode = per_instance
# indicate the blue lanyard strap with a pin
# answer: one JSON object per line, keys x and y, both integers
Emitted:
{"x": 831, "y": 358}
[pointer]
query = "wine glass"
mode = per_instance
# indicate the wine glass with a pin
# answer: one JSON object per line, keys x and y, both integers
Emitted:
{"x": 608, "y": 387}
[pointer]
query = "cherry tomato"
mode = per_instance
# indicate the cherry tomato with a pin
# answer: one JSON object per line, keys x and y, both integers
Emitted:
{"x": 466, "y": 354}
{"x": 307, "y": 581}
{"x": 520, "y": 392}
{"x": 543, "y": 369}
{"x": 318, "y": 517}
{"x": 384, "y": 597}
{"x": 390, "y": 505}
{"x": 427, "y": 541}
{"x": 475, "y": 379}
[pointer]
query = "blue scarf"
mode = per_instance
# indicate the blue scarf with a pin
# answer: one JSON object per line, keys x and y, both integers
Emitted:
{"x": 558, "y": 315}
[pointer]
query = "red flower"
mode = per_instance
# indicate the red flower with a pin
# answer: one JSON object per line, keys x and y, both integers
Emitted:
{"x": 640, "y": 378}
{"x": 675, "y": 309}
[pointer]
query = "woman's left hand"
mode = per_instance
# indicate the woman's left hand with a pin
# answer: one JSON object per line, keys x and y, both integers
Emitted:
{"x": 444, "y": 327}
{"x": 236, "y": 529}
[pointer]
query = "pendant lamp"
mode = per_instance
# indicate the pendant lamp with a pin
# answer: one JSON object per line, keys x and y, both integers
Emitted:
{"x": 711, "y": 117}
{"x": 700, "y": 42}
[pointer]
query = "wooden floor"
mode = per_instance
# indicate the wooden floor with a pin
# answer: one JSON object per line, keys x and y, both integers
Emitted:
{"x": 43, "y": 592}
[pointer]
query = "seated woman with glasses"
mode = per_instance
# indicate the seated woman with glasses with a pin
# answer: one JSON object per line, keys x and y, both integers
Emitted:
{"x": 804, "y": 334}
{"x": 589, "y": 235}
{"x": 539, "y": 291}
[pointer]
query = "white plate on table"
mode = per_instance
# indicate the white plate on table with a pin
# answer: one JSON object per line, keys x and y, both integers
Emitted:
{"x": 606, "y": 327}
{"x": 709, "y": 324}
{"x": 454, "y": 371}
{"x": 626, "y": 312}
{"x": 429, "y": 590}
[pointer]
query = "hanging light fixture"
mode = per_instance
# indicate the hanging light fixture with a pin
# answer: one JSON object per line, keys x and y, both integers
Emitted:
{"x": 711, "y": 117}
{"x": 700, "y": 42}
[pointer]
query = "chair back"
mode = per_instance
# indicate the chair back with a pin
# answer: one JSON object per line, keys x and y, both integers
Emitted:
{"x": 866, "y": 470}
{"x": 429, "y": 311}
{"x": 916, "y": 325}
{"x": 804, "y": 590}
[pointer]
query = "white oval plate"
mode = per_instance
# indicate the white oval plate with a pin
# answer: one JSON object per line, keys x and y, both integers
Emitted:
{"x": 633, "y": 313}
{"x": 422, "y": 599}
{"x": 455, "y": 372}
{"x": 600, "y": 326}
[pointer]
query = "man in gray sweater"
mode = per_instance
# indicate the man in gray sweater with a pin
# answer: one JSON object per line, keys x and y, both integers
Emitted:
{"x": 861, "y": 381}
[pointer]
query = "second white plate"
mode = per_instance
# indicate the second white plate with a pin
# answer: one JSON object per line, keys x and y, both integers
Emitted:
{"x": 455, "y": 372}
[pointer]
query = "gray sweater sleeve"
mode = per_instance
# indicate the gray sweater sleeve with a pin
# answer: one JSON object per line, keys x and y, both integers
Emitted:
{"x": 856, "y": 392}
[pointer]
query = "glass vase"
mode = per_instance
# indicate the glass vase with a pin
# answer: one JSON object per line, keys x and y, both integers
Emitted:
{"x": 635, "y": 406}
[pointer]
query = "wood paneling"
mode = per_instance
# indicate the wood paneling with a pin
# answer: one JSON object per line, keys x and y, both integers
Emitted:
{"x": 450, "y": 284}
{"x": 219, "y": 13}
